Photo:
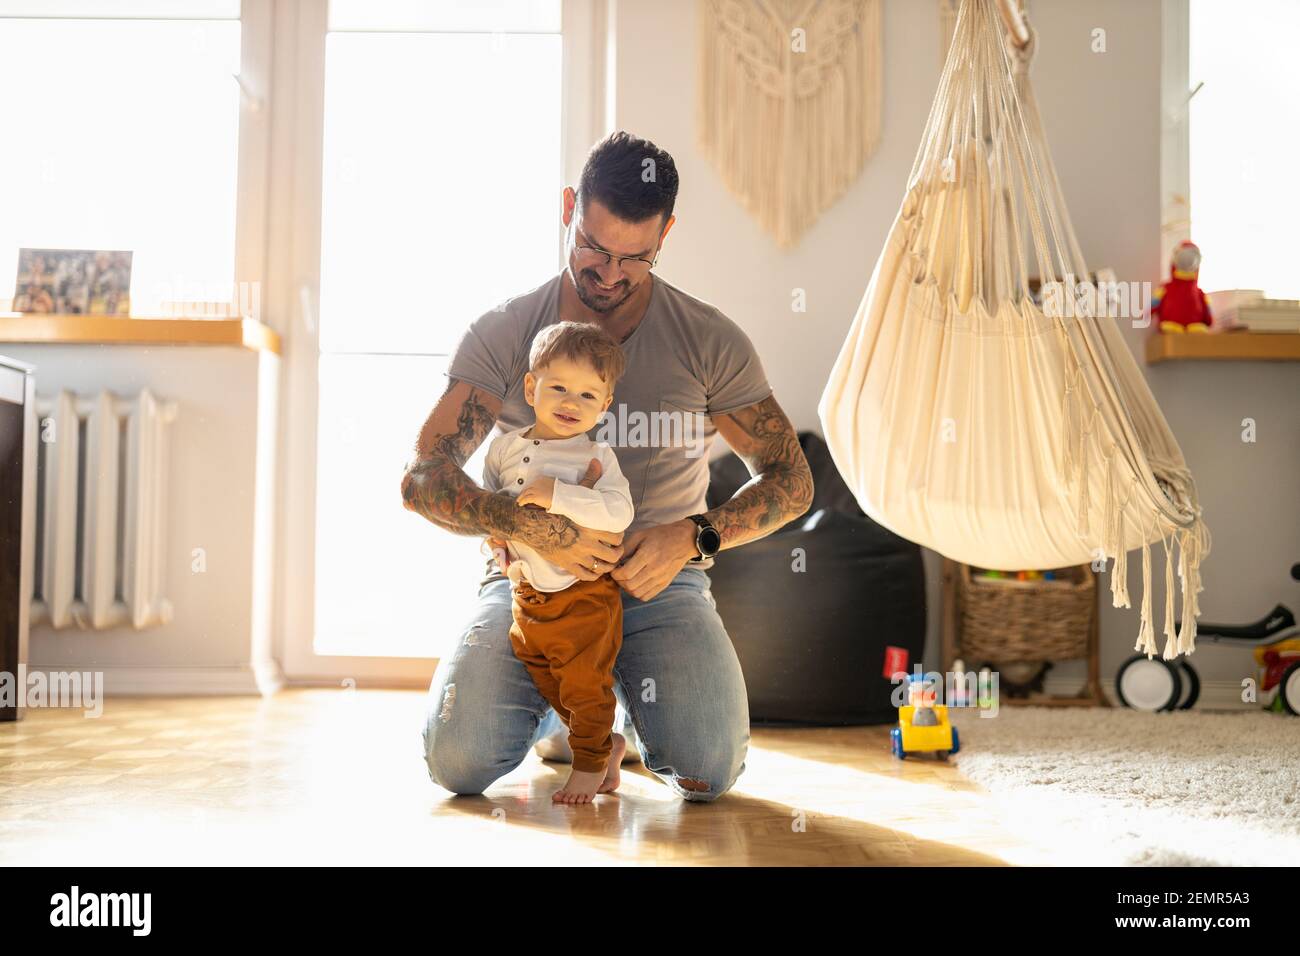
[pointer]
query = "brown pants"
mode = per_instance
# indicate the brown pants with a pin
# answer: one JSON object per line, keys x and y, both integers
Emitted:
{"x": 569, "y": 640}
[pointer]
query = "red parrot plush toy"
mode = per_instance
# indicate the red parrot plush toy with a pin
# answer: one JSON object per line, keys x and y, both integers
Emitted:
{"x": 1179, "y": 305}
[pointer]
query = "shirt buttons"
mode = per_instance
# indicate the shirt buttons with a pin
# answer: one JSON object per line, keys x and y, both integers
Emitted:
{"x": 536, "y": 441}
{"x": 521, "y": 481}
{"x": 525, "y": 458}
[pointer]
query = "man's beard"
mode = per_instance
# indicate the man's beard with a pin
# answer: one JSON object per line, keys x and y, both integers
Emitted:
{"x": 601, "y": 302}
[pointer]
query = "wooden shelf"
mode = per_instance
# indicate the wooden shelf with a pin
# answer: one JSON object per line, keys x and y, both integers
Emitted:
{"x": 116, "y": 330}
{"x": 1224, "y": 346}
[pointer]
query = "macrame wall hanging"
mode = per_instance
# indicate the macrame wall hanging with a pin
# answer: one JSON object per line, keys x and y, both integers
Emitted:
{"x": 789, "y": 103}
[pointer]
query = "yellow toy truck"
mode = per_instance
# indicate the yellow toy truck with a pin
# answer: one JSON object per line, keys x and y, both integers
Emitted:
{"x": 923, "y": 724}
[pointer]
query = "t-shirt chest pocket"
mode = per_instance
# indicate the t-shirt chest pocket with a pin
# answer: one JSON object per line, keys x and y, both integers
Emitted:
{"x": 678, "y": 446}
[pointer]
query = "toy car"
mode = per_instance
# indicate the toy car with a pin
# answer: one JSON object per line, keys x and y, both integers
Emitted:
{"x": 1154, "y": 684}
{"x": 911, "y": 738}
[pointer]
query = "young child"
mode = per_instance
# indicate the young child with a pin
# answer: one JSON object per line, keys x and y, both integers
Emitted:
{"x": 568, "y": 631}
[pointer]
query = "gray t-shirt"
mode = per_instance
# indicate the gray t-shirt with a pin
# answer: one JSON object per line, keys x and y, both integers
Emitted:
{"x": 686, "y": 361}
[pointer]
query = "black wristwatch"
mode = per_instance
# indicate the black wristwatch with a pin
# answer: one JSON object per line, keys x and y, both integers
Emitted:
{"x": 708, "y": 541}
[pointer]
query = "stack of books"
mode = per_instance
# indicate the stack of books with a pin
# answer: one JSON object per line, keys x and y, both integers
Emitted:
{"x": 1249, "y": 309}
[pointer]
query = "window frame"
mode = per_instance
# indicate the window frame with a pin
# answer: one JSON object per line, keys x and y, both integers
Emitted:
{"x": 292, "y": 248}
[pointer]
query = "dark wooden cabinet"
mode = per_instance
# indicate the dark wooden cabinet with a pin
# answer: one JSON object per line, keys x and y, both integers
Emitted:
{"x": 17, "y": 525}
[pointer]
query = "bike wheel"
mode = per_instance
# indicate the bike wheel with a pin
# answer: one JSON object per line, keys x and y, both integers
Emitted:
{"x": 1289, "y": 689}
{"x": 1191, "y": 685}
{"x": 1149, "y": 684}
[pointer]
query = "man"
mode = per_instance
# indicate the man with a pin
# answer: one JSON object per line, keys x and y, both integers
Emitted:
{"x": 677, "y": 674}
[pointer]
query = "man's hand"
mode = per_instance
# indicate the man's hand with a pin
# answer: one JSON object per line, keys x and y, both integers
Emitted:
{"x": 541, "y": 491}
{"x": 654, "y": 556}
{"x": 593, "y": 553}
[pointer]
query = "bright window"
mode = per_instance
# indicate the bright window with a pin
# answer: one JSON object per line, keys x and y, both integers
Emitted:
{"x": 121, "y": 130}
{"x": 1244, "y": 143}
{"x": 441, "y": 180}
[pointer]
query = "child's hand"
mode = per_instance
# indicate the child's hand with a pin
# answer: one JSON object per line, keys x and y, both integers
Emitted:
{"x": 539, "y": 492}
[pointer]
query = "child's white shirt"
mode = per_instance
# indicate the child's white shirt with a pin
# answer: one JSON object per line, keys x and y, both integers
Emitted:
{"x": 513, "y": 462}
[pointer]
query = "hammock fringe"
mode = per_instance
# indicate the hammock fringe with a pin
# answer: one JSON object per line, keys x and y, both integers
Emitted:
{"x": 1146, "y": 642}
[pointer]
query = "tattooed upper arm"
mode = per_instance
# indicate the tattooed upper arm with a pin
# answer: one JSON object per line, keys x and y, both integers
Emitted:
{"x": 459, "y": 422}
{"x": 434, "y": 484}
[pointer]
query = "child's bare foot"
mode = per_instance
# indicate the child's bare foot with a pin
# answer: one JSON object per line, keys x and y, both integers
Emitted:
{"x": 582, "y": 785}
{"x": 579, "y": 788}
{"x": 611, "y": 781}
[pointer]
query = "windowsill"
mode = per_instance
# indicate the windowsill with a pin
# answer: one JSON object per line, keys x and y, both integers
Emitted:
{"x": 122, "y": 330}
{"x": 1225, "y": 346}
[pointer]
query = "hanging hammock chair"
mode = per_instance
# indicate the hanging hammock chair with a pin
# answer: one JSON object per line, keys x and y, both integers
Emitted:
{"x": 1000, "y": 431}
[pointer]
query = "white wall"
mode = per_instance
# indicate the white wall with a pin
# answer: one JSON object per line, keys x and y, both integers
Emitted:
{"x": 1101, "y": 113}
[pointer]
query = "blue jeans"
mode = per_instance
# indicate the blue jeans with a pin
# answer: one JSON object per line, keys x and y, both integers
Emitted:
{"x": 677, "y": 677}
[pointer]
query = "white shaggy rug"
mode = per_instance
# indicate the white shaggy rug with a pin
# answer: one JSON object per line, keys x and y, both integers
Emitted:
{"x": 1123, "y": 787}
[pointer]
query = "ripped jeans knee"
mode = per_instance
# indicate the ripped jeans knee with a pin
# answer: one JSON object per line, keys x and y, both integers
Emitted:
{"x": 694, "y": 790}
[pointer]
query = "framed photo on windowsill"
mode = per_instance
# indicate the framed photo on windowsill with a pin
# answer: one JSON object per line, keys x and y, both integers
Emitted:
{"x": 73, "y": 282}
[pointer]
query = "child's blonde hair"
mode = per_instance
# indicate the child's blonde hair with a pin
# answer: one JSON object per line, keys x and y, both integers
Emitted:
{"x": 579, "y": 341}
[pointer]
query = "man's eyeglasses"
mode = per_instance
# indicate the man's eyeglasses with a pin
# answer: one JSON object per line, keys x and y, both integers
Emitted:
{"x": 589, "y": 257}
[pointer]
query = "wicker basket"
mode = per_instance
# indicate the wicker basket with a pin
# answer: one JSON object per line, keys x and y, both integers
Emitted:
{"x": 1008, "y": 620}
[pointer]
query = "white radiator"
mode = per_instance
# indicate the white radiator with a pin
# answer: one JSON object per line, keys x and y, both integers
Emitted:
{"x": 101, "y": 469}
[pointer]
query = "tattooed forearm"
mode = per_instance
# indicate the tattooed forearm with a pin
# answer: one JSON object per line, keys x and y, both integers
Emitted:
{"x": 438, "y": 489}
{"x": 533, "y": 526}
{"x": 473, "y": 421}
{"x": 782, "y": 486}
{"x": 435, "y": 484}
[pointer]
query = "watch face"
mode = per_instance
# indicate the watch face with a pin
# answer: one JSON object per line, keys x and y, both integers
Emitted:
{"x": 709, "y": 541}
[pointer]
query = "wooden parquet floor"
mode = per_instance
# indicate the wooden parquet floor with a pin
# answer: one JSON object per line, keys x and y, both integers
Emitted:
{"x": 337, "y": 777}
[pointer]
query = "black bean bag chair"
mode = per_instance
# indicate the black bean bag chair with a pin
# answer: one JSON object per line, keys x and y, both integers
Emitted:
{"x": 812, "y": 642}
